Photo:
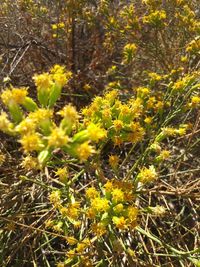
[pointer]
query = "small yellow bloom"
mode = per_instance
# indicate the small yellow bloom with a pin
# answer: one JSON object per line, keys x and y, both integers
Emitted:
{"x": 58, "y": 227}
{"x": 26, "y": 126}
{"x": 117, "y": 195}
{"x": 40, "y": 115}
{"x": 30, "y": 163}
{"x": 19, "y": 95}
{"x": 99, "y": 229}
{"x": 69, "y": 112}
{"x": 43, "y": 81}
{"x": 31, "y": 142}
{"x": 83, "y": 245}
{"x": 95, "y": 132}
{"x": 114, "y": 161}
{"x": 147, "y": 174}
{"x": 132, "y": 213}
{"x": 118, "y": 125}
{"x": 155, "y": 76}
{"x": 74, "y": 210}
{"x": 143, "y": 91}
{"x": 57, "y": 138}
{"x": 100, "y": 204}
{"x": 84, "y": 151}
{"x": 118, "y": 208}
{"x": 5, "y": 125}
{"x": 129, "y": 52}
{"x": 71, "y": 240}
{"x": 87, "y": 87}
{"x": 165, "y": 154}
{"x": 120, "y": 222}
{"x": 92, "y": 193}
{"x": 55, "y": 197}
{"x": 71, "y": 253}
{"x": 108, "y": 186}
{"x": 6, "y": 97}
{"x": 195, "y": 101}
{"x": 148, "y": 120}
{"x": 62, "y": 173}
{"x": 16, "y": 95}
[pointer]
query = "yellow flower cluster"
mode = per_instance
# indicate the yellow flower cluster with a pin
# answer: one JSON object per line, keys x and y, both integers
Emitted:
{"x": 14, "y": 96}
{"x": 147, "y": 175}
{"x": 114, "y": 208}
{"x": 116, "y": 118}
{"x": 155, "y": 18}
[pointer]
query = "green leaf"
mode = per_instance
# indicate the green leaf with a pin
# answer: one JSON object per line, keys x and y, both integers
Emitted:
{"x": 54, "y": 95}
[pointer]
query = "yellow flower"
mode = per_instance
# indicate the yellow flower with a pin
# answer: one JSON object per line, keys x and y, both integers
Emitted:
{"x": 58, "y": 227}
{"x": 118, "y": 208}
{"x": 137, "y": 134}
{"x": 155, "y": 76}
{"x": 92, "y": 193}
{"x": 19, "y": 95}
{"x": 100, "y": 204}
{"x": 62, "y": 173}
{"x": 83, "y": 245}
{"x": 55, "y": 197}
{"x": 193, "y": 46}
{"x": 118, "y": 125}
{"x": 57, "y": 138}
{"x": 132, "y": 213}
{"x": 195, "y": 101}
{"x": 74, "y": 210}
{"x": 71, "y": 253}
{"x": 31, "y": 142}
{"x": 87, "y": 87}
{"x": 6, "y": 97}
{"x": 57, "y": 69}
{"x": 95, "y": 132}
{"x": 120, "y": 222}
{"x": 155, "y": 18}
{"x": 165, "y": 154}
{"x": 60, "y": 79}
{"x": 114, "y": 161}
{"x": 43, "y": 82}
{"x": 40, "y": 115}
{"x": 49, "y": 223}
{"x": 16, "y": 95}
{"x": 169, "y": 131}
{"x": 59, "y": 75}
{"x": 147, "y": 174}
{"x": 90, "y": 213}
{"x": 26, "y": 126}
{"x": 148, "y": 120}
{"x": 111, "y": 96}
{"x": 143, "y": 91}
{"x": 69, "y": 112}
{"x": 30, "y": 163}
{"x": 129, "y": 52}
{"x": 117, "y": 195}
{"x": 71, "y": 240}
{"x": 108, "y": 186}
{"x": 63, "y": 211}
{"x": 117, "y": 140}
{"x": 84, "y": 151}
{"x": 5, "y": 125}
{"x": 99, "y": 229}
